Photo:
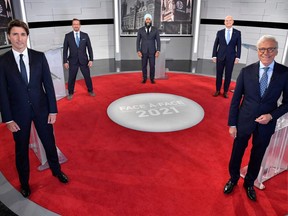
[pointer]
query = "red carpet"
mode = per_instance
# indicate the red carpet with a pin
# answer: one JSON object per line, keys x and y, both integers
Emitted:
{"x": 116, "y": 171}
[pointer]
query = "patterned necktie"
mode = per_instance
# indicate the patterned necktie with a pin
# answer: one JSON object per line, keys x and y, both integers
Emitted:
{"x": 23, "y": 69}
{"x": 77, "y": 39}
{"x": 264, "y": 81}
{"x": 228, "y": 36}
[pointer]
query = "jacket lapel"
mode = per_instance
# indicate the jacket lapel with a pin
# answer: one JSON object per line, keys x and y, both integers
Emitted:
{"x": 31, "y": 66}
{"x": 14, "y": 67}
{"x": 255, "y": 78}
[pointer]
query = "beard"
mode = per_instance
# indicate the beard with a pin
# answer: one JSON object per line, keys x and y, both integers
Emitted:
{"x": 147, "y": 25}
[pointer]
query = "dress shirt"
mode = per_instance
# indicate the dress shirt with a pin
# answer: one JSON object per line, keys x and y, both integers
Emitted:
{"x": 25, "y": 59}
{"x": 269, "y": 72}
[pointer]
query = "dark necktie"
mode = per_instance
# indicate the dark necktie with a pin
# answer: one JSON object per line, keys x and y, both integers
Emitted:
{"x": 23, "y": 69}
{"x": 264, "y": 81}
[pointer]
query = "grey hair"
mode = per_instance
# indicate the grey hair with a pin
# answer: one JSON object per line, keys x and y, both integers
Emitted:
{"x": 267, "y": 38}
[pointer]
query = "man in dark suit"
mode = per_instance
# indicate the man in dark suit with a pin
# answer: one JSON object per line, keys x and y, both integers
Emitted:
{"x": 226, "y": 52}
{"x": 254, "y": 111}
{"x": 147, "y": 36}
{"x": 78, "y": 43}
{"x": 26, "y": 95}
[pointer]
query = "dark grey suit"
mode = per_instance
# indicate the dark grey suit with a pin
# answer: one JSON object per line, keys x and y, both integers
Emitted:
{"x": 78, "y": 58}
{"x": 148, "y": 44}
{"x": 246, "y": 106}
{"x": 23, "y": 104}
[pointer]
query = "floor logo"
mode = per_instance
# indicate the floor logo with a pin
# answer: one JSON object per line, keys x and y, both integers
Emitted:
{"x": 155, "y": 112}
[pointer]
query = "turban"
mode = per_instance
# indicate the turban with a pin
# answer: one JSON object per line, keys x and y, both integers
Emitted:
{"x": 147, "y": 16}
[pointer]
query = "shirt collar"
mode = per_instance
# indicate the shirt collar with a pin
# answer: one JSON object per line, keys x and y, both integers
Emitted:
{"x": 16, "y": 53}
{"x": 271, "y": 66}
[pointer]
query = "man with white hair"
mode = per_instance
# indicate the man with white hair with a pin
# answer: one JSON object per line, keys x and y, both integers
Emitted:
{"x": 226, "y": 53}
{"x": 254, "y": 111}
{"x": 148, "y": 47}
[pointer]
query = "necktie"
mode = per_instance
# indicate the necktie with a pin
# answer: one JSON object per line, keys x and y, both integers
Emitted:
{"x": 228, "y": 36}
{"x": 77, "y": 39}
{"x": 264, "y": 81}
{"x": 23, "y": 69}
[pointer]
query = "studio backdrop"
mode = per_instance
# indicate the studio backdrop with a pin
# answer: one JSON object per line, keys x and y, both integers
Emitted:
{"x": 171, "y": 17}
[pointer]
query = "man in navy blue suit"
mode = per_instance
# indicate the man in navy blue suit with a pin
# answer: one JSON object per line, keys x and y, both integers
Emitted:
{"x": 77, "y": 42}
{"x": 226, "y": 52}
{"x": 148, "y": 47}
{"x": 254, "y": 111}
{"x": 26, "y": 95}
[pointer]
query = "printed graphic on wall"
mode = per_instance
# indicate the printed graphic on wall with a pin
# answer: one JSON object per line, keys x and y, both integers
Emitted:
{"x": 171, "y": 17}
{"x": 6, "y": 15}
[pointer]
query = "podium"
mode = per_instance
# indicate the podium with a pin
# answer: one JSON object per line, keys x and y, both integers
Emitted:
{"x": 37, "y": 147}
{"x": 54, "y": 58}
{"x": 275, "y": 159}
{"x": 160, "y": 65}
{"x": 252, "y": 53}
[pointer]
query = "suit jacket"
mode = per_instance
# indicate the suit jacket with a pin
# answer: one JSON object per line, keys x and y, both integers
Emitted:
{"x": 17, "y": 98}
{"x": 77, "y": 54}
{"x": 146, "y": 43}
{"x": 247, "y": 104}
{"x": 222, "y": 50}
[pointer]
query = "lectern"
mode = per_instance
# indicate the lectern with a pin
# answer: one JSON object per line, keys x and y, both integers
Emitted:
{"x": 160, "y": 66}
{"x": 54, "y": 58}
{"x": 252, "y": 54}
{"x": 275, "y": 159}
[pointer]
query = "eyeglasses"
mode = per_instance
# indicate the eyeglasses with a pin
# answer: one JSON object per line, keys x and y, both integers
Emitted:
{"x": 269, "y": 50}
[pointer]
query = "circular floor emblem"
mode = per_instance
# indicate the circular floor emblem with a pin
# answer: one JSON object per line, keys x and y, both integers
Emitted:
{"x": 155, "y": 112}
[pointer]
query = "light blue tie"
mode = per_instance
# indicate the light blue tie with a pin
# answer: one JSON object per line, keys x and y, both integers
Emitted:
{"x": 77, "y": 39}
{"x": 228, "y": 36}
{"x": 264, "y": 81}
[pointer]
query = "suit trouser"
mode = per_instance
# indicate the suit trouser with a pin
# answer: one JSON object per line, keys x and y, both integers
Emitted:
{"x": 22, "y": 138}
{"x": 73, "y": 70}
{"x": 151, "y": 58}
{"x": 260, "y": 142}
{"x": 228, "y": 64}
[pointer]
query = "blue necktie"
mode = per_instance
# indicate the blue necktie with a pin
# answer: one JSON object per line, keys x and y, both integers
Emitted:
{"x": 264, "y": 81}
{"x": 23, "y": 69}
{"x": 77, "y": 39}
{"x": 228, "y": 36}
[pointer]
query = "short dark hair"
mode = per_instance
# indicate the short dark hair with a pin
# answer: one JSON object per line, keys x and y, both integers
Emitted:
{"x": 75, "y": 19}
{"x": 17, "y": 23}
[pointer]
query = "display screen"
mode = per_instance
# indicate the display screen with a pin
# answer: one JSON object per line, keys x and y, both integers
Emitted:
{"x": 171, "y": 17}
{"x": 6, "y": 15}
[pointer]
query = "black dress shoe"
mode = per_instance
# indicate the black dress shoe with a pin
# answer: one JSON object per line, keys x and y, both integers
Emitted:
{"x": 225, "y": 95}
{"x": 229, "y": 187}
{"x": 25, "y": 191}
{"x": 153, "y": 81}
{"x": 62, "y": 177}
{"x": 251, "y": 193}
{"x": 216, "y": 94}
{"x": 143, "y": 81}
